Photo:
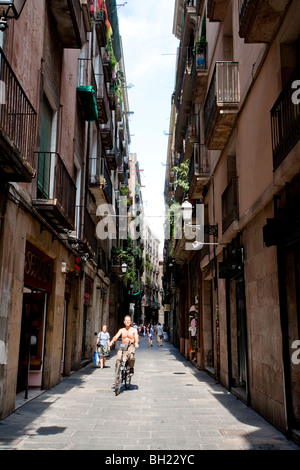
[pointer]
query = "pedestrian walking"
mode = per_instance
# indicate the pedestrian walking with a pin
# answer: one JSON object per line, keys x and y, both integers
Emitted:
{"x": 160, "y": 334}
{"x": 102, "y": 345}
{"x": 150, "y": 335}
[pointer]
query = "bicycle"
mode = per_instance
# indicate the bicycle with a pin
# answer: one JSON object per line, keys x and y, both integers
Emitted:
{"x": 122, "y": 373}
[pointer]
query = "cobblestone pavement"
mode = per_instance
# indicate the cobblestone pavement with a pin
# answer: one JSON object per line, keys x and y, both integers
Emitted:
{"x": 170, "y": 406}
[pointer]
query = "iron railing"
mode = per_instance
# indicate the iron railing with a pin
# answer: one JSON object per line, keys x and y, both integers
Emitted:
{"x": 199, "y": 163}
{"x": 224, "y": 88}
{"x": 230, "y": 203}
{"x": 17, "y": 116}
{"x": 55, "y": 182}
{"x": 285, "y": 121}
{"x": 108, "y": 187}
{"x": 86, "y": 76}
{"x": 102, "y": 97}
{"x": 86, "y": 227}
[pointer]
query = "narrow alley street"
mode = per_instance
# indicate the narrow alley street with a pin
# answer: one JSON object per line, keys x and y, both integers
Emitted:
{"x": 170, "y": 406}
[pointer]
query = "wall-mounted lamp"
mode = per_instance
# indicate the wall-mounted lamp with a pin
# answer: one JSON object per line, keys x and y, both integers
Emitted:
{"x": 187, "y": 210}
{"x": 10, "y": 9}
{"x": 124, "y": 268}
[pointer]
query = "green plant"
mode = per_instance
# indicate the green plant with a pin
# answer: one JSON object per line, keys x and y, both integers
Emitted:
{"x": 200, "y": 46}
{"x": 119, "y": 86}
{"x": 130, "y": 256}
{"x": 175, "y": 223}
{"x": 182, "y": 173}
{"x": 125, "y": 192}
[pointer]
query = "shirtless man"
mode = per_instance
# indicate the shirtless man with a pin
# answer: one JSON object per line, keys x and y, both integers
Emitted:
{"x": 130, "y": 336}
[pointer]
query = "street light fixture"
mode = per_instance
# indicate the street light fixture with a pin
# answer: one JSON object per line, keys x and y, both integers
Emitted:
{"x": 187, "y": 210}
{"x": 124, "y": 268}
{"x": 10, "y": 9}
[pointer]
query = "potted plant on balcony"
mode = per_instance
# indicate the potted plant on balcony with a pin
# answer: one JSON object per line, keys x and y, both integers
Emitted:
{"x": 200, "y": 51}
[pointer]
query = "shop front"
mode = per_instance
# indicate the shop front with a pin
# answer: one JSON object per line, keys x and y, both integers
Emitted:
{"x": 38, "y": 272}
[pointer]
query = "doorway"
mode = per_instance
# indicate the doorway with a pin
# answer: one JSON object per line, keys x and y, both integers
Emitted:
{"x": 31, "y": 353}
{"x": 237, "y": 339}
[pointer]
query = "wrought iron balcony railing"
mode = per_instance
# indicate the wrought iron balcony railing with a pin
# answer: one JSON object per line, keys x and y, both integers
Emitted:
{"x": 56, "y": 191}
{"x": 230, "y": 204}
{"x": 86, "y": 229}
{"x": 102, "y": 99}
{"x": 223, "y": 95}
{"x": 285, "y": 121}
{"x": 17, "y": 127}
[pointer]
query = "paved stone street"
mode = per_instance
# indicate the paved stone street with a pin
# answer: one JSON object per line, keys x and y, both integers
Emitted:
{"x": 170, "y": 406}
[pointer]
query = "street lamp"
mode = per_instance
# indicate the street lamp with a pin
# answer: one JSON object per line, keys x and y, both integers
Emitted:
{"x": 10, "y": 9}
{"x": 124, "y": 268}
{"x": 187, "y": 210}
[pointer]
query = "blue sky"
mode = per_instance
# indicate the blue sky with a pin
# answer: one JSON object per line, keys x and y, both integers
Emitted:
{"x": 150, "y": 62}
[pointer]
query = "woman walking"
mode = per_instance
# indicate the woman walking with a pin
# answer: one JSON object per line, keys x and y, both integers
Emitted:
{"x": 102, "y": 345}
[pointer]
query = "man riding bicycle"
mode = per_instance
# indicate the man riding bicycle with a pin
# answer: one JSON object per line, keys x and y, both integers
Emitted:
{"x": 130, "y": 337}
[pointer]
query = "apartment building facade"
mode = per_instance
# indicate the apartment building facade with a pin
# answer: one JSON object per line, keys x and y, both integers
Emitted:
{"x": 152, "y": 311}
{"x": 234, "y": 303}
{"x": 64, "y": 140}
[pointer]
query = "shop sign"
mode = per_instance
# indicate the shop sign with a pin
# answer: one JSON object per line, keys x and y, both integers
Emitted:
{"x": 38, "y": 268}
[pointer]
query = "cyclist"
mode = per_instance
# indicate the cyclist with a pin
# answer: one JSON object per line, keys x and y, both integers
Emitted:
{"x": 130, "y": 337}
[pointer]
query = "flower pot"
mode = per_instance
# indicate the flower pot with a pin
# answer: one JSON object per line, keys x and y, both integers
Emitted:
{"x": 201, "y": 62}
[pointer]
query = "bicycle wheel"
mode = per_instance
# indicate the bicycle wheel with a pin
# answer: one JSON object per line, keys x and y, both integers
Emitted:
{"x": 118, "y": 379}
{"x": 127, "y": 377}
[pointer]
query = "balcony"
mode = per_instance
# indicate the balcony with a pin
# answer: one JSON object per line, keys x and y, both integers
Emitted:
{"x": 68, "y": 18}
{"x": 102, "y": 99}
{"x": 185, "y": 17}
{"x": 285, "y": 121}
{"x": 184, "y": 245}
{"x": 112, "y": 97}
{"x": 192, "y": 135}
{"x": 86, "y": 232}
{"x": 260, "y": 20}
{"x": 185, "y": 22}
{"x": 100, "y": 28}
{"x": 107, "y": 68}
{"x": 56, "y": 192}
{"x": 106, "y": 131}
{"x": 87, "y": 90}
{"x": 17, "y": 128}
{"x": 199, "y": 171}
{"x": 230, "y": 204}
{"x": 112, "y": 159}
{"x": 121, "y": 173}
{"x": 216, "y": 9}
{"x": 199, "y": 77}
{"x": 222, "y": 104}
{"x": 99, "y": 181}
{"x": 183, "y": 109}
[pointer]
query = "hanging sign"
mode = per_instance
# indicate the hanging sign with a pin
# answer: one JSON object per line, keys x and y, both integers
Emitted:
{"x": 38, "y": 268}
